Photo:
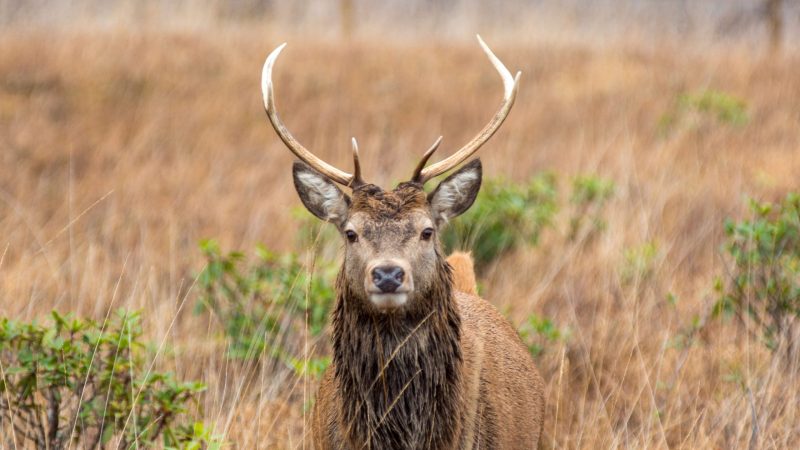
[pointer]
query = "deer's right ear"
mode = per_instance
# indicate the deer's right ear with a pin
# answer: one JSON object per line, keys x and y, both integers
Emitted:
{"x": 319, "y": 194}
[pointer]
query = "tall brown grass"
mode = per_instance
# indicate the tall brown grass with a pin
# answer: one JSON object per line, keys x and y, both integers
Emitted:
{"x": 120, "y": 150}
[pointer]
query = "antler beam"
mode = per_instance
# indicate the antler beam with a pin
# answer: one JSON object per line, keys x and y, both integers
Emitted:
{"x": 337, "y": 175}
{"x": 421, "y": 173}
{"x": 510, "y": 86}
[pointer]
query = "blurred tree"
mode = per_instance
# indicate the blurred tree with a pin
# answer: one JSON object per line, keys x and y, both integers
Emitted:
{"x": 773, "y": 10}
{"x": 770, "y": 12}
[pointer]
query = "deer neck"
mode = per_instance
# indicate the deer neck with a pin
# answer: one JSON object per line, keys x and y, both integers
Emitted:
{"x": 399, "y": 374}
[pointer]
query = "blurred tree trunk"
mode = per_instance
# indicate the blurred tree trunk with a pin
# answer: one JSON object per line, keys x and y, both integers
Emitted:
{"x": 773, "y": 10}
{"x": 347, "y": 14}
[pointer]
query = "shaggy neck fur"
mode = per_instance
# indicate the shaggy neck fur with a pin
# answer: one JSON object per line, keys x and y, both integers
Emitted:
{"x": 415, "y": 401}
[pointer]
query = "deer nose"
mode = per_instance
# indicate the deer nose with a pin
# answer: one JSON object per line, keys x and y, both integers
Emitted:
{"x": 388, "y": 278}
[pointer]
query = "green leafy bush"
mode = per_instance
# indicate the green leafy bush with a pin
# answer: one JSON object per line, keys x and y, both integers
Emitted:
{"x": 762, "y": 288}
{"x": 721, "y": 106}
{"x": 259, "y": 303}
{"x": 639, "y": 263}
{"x": 537, "y": 332}
{"x": 504, "y": 216}
{"x": 198, "y": 436}
{"x": 507, "y": 215}
{"x": 725, "y": 107}
{"x": 80, "y": 383}
{"x": 590, "y": 194}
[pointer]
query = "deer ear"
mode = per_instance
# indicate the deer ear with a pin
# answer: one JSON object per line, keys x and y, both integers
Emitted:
{"x": 319, "y": 194}
{"x": 456, "y": 193}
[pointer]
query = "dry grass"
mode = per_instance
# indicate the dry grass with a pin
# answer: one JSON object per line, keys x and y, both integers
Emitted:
{"x": 120, "y": 150}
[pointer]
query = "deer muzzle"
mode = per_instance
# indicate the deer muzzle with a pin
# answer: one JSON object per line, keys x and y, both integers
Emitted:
{"x": 388, "y": 283}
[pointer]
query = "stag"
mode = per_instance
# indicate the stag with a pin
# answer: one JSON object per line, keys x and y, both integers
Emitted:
{"x": 419, "y": 362}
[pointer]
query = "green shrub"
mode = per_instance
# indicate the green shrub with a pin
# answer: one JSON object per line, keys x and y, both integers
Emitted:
{"x": 80, "y": 383}
{"x": 538, "y": 332}
{"x": 639, "y": 263}
{"x": 762, "y": 288}
{"x": 198, "y": 436}
{"x": 721, "y": 106}
{"x": 258, "y": 304}
{"x": 504, "y": 216}
{"x": 590, "y": 194}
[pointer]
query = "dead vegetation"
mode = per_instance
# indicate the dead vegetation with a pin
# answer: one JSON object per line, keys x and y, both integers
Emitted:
{"x": 120, "y": 150}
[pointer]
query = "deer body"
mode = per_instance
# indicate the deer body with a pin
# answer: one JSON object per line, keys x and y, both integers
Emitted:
{"x": 490, "y": 394}
{"x": 418, "y": 361}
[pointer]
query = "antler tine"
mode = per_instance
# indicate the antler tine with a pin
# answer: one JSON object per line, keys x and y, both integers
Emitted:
{"x": 295, "y": 147}
{"x": 357, "y": 180}
{"x": 510, "y": 86}
{"x": 418, "y": 170}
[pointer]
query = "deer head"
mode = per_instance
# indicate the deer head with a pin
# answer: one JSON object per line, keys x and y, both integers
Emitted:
{"x": 392, "y": 250}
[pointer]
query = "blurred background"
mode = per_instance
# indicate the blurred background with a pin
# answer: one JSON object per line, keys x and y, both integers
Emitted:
{"x": 638, "y": 223}
{"x": 744, "y": 22}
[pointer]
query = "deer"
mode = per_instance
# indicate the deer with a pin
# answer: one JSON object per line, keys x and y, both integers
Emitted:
{"x": 419, "y": 360}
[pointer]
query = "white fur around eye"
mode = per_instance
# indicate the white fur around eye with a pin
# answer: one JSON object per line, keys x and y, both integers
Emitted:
{"x": 323, "y": 193}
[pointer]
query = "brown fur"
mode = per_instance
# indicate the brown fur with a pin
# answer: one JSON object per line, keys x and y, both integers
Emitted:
{"x": 463, "y": 272}
{"x": 446, "y": 371}
{"x": 395, "y": 204}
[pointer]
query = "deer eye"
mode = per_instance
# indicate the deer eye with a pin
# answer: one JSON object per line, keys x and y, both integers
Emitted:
{"x": 351, "y": 235}
{"x": 426, "y": 235}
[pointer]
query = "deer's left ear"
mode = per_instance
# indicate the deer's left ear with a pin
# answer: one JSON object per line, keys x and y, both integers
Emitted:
{"x": 456, "y": 193}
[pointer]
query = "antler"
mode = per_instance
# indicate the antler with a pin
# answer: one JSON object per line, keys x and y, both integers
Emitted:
{"x": 510, "y": 85}
{"x": 337, "y": 175}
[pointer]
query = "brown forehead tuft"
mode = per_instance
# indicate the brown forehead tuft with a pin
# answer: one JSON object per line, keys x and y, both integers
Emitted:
{"x": 378, "y": 203}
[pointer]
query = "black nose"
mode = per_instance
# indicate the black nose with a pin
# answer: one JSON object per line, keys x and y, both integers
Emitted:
{"x": 388, "y": 278}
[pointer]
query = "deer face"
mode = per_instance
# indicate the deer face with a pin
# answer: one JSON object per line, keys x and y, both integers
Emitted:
{"x": 391, "y": 237}
{"x": 392, "y": 252}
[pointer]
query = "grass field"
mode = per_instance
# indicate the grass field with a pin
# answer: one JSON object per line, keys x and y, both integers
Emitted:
{"x": 120, "y": 150}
